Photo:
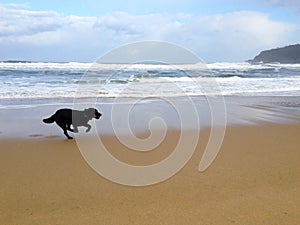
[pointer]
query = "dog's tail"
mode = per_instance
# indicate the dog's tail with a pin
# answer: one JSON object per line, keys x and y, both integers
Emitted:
{"x": 51, "y": 119}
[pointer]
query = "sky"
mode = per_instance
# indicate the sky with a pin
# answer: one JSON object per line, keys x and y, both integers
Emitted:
{"x": 84, "y": 30}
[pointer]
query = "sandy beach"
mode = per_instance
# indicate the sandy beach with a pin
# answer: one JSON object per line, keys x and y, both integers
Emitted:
{"x": 149, "y": 113}
{"x": 254, "y": 180}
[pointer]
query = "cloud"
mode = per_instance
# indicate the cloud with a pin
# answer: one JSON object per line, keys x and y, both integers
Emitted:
{"x": 52, "y": 36}
{"x": 16, "y": 5}
{"x": 291, "y": 4}
{"x": 238, "y": 34}
{"x": 20, "y": 22}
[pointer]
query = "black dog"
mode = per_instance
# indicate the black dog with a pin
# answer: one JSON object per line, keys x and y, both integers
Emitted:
{"x": 65, "y": 117}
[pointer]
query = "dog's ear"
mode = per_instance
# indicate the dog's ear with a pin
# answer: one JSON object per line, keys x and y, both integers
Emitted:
{"x": 89, "y": 112}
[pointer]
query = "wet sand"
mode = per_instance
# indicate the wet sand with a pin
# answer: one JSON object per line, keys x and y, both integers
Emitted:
{"x": 254, "y": 180}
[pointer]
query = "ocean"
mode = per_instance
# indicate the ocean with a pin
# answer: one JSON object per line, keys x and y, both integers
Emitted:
{"x": 32, "y": 80}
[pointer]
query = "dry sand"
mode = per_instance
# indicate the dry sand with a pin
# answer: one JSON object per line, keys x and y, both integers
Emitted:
{"x": 254, "y": 180}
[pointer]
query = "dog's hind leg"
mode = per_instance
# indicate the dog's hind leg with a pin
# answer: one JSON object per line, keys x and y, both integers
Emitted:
{"x": 68, "y": 136}
{"x": 64, "y": 127}
{"x": 69, "y": 128}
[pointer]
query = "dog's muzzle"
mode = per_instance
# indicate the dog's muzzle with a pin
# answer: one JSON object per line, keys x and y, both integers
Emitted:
{"x": 97, "y": 116}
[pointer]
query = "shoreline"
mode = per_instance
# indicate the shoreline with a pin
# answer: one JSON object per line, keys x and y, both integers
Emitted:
{"x": 22, "y": 121}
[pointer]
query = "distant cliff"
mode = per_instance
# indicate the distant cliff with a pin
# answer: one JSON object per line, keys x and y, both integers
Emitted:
{"x": 288, "y": 54}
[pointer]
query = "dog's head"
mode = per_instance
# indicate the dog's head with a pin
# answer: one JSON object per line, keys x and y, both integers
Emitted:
{"x": 92, "y": 113}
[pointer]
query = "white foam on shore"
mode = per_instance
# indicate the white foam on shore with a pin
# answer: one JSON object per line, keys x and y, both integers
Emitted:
{"x": 86, "y": 66}
{"x": 61, "y": 80}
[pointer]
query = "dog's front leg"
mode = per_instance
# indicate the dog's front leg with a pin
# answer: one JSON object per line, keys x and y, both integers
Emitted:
{"x": 88, "y": 127}
{"x": 75, "y": 129}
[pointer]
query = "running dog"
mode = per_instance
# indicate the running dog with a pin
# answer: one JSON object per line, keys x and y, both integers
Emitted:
{"x": 67, "y": 117}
